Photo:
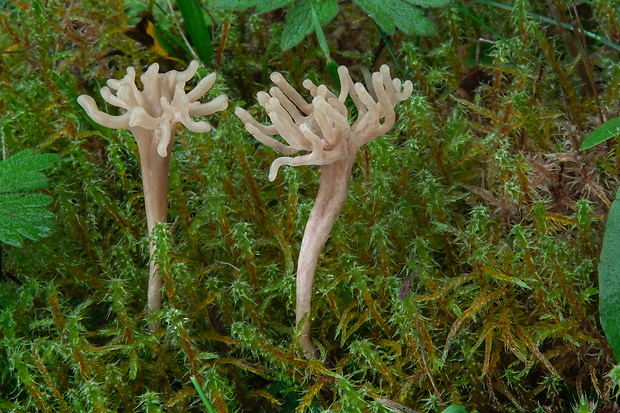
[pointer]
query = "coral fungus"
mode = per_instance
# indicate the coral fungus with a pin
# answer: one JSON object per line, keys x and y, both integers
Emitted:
{"x": 322, "y": 128}
{"x": 152, "y": 115}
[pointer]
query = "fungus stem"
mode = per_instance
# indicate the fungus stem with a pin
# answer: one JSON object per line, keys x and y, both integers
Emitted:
{"x": 330, "y": 199}
{"x": 155, "y": 170}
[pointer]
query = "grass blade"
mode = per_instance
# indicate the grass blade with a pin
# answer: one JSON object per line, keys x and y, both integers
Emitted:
{"x": 607, "y": 130}
{"x": 197, "y": 28}
{"x": 551, "y": 21}
{"x": 204, "y": 399}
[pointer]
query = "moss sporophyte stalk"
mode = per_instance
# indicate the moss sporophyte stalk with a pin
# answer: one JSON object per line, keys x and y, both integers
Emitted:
{"x": 322, "y": 128}
{"x": 152, "y": 115}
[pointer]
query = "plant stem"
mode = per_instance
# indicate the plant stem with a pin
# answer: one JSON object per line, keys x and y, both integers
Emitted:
{"x": 330, "y": 199}
{"x": 155, "y": 183}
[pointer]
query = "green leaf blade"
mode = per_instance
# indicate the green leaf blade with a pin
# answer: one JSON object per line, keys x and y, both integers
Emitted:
{"x": 269, "y": 5}
{"x": 402, "y": 14}
{"x": 262, "y": 6}
{"x": 609, "y": 279}
{"x": 411, "y": 20}
{"x": 21, "y": 213}
{"x": 326, "y": 10}
{"x": 455, "y": 408}
{"x": 298, "y": 25}
{"x": 607, "y": 130}
{"x": 197, "y": 29}
{"x": 427, "y": 3}
{"x": 379, "y": 11}
{"x": 235, "y": 4}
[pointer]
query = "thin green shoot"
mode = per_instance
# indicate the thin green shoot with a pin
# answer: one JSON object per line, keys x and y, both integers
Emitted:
{"x": 320, "y": 35}
{"x": 551, "y": 21}
{"x": 475, "y": 18}
{"x": 386, "y": 41}
{"x": 204, "y": 399}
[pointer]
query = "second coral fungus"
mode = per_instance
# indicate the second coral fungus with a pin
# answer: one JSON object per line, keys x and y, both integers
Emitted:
{"x": 321, "y": 128}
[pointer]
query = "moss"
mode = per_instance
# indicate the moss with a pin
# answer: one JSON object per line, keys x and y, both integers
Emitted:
{"x": 461, "y": 270}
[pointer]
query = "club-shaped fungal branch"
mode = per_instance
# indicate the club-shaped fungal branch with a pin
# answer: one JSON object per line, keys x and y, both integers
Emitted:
{"x": 321, "y": 131}
{"x": 152, "y": 115}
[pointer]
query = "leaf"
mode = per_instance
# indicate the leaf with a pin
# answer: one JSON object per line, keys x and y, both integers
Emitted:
{"x": 390, "y": 14}
{"x": 298, "y": 26}
{"x": 320, "y": 35}
{"x": 268, "y": 5}
{"x": 609, "y": 279}
{"x": 21, "y": 172}
{"x": 147, "y": 33}
{"x": 379, "y": 12}
{"x": 411, "y": 20}
{"x": 197, "y": 29}
{"x": 21, "y": 213}
{"x": 455, "y": 408}
{"x": 299, "y": 20}
{"x": 607, "y": 130}
{"x": 235, "y": 4}
{"x": 428, "y": 3}
{"x": 262, "y": 6}
{"x": 204, "y": 399}
{"x": 325, "y": 10}
{"x": 163, "y": 43}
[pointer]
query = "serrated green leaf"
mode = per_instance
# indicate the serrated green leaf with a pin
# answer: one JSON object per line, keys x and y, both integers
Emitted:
{"x": 428, "y": 3}
{"x": 21, "y": 216}
{"x": 325, "y": 10}
{"x": 22, "y": 171}
{"x": 262, "y": 6}
{"x": 411, "y": 20}
{"x": 268, "y": 5}
{"x": 379, "y": 11}
{"x": 609, "y": 279}
{"x": 390, "y": 14}
{"x": 299, "y": 24}
{"x": 607, "y": 130}
{"x": 235, "y": 4}
{"x": 21, "y": 213}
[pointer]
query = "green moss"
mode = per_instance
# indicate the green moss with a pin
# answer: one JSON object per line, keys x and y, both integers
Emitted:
{"x": 461, "y": 270}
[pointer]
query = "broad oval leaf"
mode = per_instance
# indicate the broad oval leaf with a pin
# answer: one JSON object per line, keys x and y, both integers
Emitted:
{"x": 455, "y": 408}
{"x": 609, "y": 279}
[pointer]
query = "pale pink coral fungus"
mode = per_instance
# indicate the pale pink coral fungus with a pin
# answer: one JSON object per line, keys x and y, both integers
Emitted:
{"x": 322, "y": 128}
{"x": 159, "y": 107}
{"x": 152, "y": 115}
